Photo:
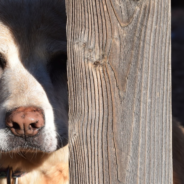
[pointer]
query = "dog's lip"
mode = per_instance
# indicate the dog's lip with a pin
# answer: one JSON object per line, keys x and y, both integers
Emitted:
{"x": 26, "y": 143}
{"x": 45, "y": 142}
{"x": 22, "y": 150}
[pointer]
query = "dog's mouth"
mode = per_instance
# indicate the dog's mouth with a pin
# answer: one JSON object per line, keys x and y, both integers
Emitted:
{"x": 45, "y": 141}
{"x": 30, "y": 143}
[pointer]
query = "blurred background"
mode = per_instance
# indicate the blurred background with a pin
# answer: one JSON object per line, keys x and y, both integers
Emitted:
{"x": 177, "y": 37}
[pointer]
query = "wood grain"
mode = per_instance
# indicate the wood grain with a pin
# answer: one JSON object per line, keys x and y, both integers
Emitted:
{"x": 119, "y": 79}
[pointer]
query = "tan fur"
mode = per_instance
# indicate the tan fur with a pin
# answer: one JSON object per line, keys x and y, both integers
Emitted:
{"x": 40, "y": 167}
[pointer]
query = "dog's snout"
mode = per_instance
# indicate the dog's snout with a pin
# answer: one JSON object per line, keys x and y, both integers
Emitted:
{"x": 25, "y": 121}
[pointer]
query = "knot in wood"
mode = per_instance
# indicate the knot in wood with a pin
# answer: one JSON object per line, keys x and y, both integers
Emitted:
{"x": 98, "y": 63}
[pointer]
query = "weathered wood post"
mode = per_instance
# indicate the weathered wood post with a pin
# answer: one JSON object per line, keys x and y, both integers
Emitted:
{"x": 119, "y": 91}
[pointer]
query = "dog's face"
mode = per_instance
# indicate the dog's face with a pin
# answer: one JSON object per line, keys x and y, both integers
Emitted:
{"x": 33, "y": 75}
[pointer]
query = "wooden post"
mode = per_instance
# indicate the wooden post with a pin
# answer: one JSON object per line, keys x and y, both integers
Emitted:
{"x": 119, "y": 79}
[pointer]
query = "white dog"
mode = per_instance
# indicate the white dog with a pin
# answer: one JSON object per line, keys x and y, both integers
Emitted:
{"x": 33, "y": 92}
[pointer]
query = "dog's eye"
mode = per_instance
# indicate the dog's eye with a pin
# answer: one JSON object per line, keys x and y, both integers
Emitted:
{"x": 2, "y": 61}
{"x": 2, "y": 64}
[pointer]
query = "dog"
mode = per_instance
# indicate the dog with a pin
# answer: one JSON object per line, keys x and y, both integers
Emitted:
{"x": 33, "y": 92}
{"x": 33, "y": 95}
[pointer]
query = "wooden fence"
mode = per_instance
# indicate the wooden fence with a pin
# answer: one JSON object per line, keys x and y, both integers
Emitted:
{"x": 119, "y": 78}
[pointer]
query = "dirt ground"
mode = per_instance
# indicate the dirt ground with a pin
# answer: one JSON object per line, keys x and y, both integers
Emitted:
{"x": 178, "y": 63}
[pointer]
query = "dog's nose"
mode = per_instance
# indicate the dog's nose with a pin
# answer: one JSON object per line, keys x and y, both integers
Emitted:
{"x": 25, "y": 121}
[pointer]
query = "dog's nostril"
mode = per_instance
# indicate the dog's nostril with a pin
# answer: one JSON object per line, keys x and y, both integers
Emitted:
{"x": 33, "y": 125}
{"x": 15, "y": 126}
